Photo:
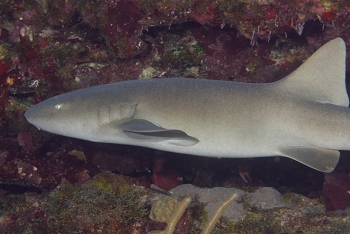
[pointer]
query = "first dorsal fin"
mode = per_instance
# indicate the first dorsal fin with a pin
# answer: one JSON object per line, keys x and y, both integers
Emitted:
{"x": 322, "y": 77}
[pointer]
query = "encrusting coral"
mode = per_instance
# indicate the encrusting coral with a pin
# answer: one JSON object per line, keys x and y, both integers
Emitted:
{"x": 169, "y": 210}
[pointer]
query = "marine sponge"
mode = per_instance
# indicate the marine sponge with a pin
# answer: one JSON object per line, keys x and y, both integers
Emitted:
{"x": 169, "y": 210}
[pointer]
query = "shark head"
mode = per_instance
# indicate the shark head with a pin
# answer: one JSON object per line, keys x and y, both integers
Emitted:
{"x": 60, "y": 115}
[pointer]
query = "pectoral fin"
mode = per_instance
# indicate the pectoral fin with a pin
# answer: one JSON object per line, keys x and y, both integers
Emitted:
{"x": 320, "y": 159}
{"x": 147, "y": 131}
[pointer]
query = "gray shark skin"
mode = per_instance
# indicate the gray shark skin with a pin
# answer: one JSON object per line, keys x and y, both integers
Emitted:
{"x": 304, "y": 116}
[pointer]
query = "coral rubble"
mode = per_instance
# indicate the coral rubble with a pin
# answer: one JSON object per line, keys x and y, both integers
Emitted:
{"x": 110, "y": 203}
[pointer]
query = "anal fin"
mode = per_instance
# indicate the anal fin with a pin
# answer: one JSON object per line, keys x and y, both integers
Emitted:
{"x": 321, "y": 159}
{"x": 146, "y": 131}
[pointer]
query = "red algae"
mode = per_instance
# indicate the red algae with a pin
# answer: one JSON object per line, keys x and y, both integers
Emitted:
{"x": 25, "y": 140}
{"x": 330, "y": 15}
{"x": 164, "y": 178}
{"x": 3, "y": 68}
{"x": 336, "y": 189}
{"x": 48, "y": 48}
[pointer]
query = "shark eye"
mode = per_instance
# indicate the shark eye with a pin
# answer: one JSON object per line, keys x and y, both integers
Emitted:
{"x": 58, "y": 106}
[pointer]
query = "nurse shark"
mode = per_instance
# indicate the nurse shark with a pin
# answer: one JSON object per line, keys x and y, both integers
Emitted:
{"x": 304, "y": 116}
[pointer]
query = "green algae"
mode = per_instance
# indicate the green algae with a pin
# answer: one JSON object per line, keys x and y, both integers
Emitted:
{"x": 328, "y": 5}
{"x": 180, "y": 52}
{"x": 61, "y": 51}
{"x": 286, "y": 221}
{"x": 99, "y": 202}
{"x": 232, "y": 7}
{"x": 111, "y": 204}
{"x": 153, "y": 5}
{"x": 252, "y": 65}
{"x": 14, "y": 111}
{"x": 3, "y": 52}
{"x": 300, "y": 200}
{"x": 197, "y": 49}
{"x": 104, "y": 185}
{"x": 199, "y": 216}
{"x": 257, "y": 223}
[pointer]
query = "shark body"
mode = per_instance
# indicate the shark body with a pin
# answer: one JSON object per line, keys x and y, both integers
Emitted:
{"x": 304, "y": 116}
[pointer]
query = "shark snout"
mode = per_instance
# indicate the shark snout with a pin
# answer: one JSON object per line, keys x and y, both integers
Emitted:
{"x": 30, "y": 115}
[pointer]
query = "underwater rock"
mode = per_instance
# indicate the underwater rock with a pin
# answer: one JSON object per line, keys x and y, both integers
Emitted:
{"x": 48, "y": 48}
{"x": 266, "y": 198}
{"x": 213, "y": 198}
{"x": 110, "y": 203}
